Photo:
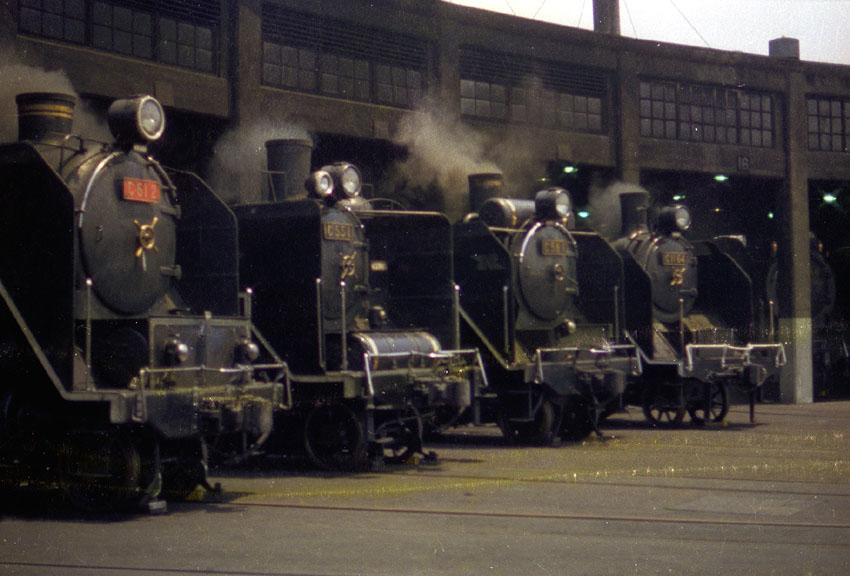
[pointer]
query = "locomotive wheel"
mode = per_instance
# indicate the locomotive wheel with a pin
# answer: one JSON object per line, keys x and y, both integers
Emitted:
{"x": 406, "y": 431}
{"x": 334, "y": 438}
{"x": 104, "y": 472}
{"x": 718, "y": 402}
{"x": 664, "y": 405}
{"x": 540, "y": 431}
{"x": 579, "y": 420}
{"x": 185, "y": 468}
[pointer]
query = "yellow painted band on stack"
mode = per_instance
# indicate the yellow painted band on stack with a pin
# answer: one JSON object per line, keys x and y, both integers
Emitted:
{"x": 56, "y": 110}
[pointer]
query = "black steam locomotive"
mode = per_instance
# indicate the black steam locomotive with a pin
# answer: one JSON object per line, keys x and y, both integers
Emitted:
{"x": 341, "y": 291}
{"x": 123, "y": 353}
{"x": 544, "y": 305}
{"x": 689, "y": 310}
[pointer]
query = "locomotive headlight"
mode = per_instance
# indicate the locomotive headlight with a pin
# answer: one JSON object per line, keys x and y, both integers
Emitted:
{"x": 136, "y": 120}
{"x": 552, "y": 204}
{"x": 683, "y": 217}
{"x": 175, "y": 352}
{"x": 247, "y": 351}
{"x": 151, "y": 119}
{"x": 346, "y": 177}
{"x": 674, "y": 218}
{"x": 320, "y": 184}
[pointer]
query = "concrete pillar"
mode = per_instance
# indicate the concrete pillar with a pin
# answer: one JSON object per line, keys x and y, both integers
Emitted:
{"x": 245, "y": 51}
{"x": 244, "y": 62}
{"x": 626, "y": 117}
{"x": 795, "y": 330}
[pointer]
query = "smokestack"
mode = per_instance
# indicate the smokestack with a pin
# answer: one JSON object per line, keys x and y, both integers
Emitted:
{"x": 44, "y": 116}
{"x": 634, "y": 206}
{"x": 484, "y": 186}
{"x": 784, "y": 48}
{"x": 606, "y": 16}
{"x": 289, "y": 167}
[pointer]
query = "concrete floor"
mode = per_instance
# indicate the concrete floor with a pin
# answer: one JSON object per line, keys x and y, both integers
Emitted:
{"x": 768, "y": 498}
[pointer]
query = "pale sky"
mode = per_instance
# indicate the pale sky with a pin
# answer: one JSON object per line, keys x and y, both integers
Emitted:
{"x": 821, "y": 26}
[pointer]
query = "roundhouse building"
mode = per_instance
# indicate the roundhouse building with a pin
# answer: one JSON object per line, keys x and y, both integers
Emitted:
{"x": 757, "y": 146}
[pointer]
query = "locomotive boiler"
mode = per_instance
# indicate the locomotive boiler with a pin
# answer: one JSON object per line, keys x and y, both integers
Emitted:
{"x": 124, "y": 355}
{"x": 342, "y": 291}
{"x": 689, "y": 311}
{"x": 547, "y": 322}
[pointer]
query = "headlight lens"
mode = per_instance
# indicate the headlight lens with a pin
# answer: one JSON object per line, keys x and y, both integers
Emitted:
{"x": 683, "y": 218}
{"x": 151, "y": 118}
{"x": 552, "y": 204}
{"x": 347, "y": 179}
{"x": 320, "y": 184}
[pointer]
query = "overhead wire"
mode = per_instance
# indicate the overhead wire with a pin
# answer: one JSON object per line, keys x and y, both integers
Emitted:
{"x": 682, "y": 14}
{"x": 629, "y": 14}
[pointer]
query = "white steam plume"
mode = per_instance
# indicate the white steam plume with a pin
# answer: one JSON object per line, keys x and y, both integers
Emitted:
{"x": 16, "y": 78}
{"x": 237, "y": 169}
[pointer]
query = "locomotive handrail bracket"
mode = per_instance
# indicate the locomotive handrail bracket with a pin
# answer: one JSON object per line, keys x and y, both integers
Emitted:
{"x": 438, "y": 362}
{"x": 739, "y": 356}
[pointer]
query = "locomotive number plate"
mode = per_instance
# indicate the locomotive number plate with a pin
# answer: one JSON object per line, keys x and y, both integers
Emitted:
{"x": 338, "y": 231}
{"x": 673, "y": 258}
{"x": 553, "y": 248}
{"x": 138, "y": 190}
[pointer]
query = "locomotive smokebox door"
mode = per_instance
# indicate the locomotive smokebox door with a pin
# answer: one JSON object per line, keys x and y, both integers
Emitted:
{"x": 547, "y": 271}
{"x": 127, "y": 235}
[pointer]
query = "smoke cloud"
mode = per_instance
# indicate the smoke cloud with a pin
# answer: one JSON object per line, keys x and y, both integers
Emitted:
{"x": 443, "y": 152}
{"x": 238, "y": 166}
{"x": 16, "y": 78}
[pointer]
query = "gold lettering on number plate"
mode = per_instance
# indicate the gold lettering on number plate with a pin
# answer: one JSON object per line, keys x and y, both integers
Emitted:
{"x": 338, "y": 231}
{"x": 673, "y": 258}
{"x": 553, "y": 248}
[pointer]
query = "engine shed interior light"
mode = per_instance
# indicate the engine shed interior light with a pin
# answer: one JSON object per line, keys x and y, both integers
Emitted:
{"x": 570, "y": 169}
{"x": 583, "y": 214}
{"x": 770, "y": 215}
{"x": 679, "y": 197}
{"x": 830, "y": 198}
{"x": 721, "y": 178}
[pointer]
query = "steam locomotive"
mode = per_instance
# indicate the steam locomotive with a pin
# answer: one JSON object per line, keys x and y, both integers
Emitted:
{"x": 125, "y": 356}
{"x": 342, "y": 291}
{"x": 690, "y": 313}
{"x": 544, "y": 305}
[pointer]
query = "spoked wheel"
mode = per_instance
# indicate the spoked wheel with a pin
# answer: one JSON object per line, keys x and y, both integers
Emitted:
{"x": 334, "y": 437}
{"x": 402, "y": 434}
{"x": 718, "y": 401}
{"x": 184, "y": 466}
{"x": 580, "y": 419}
{"x": 542, "y": 429}
{"x": 106, "y": 472}
{"x": 664, "y": 405}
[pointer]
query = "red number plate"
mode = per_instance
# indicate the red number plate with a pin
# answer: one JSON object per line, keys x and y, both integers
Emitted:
{"x": 138, "y": 190}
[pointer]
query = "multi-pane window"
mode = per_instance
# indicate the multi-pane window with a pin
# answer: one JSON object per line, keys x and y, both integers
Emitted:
{"x": 700, "y": 113}
{"x": 531, "y": 105}
{"x": 57, "y": 19}
{"x": 322, "y": 56}
{"x": 829, "y": 124}
{"x": 508, "y": 88}
{"x": 176, "y": 32}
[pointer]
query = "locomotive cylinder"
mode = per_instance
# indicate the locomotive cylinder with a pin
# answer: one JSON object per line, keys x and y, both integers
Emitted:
{"x": 289, "y": 167}
{"x": 44, "y": 116}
